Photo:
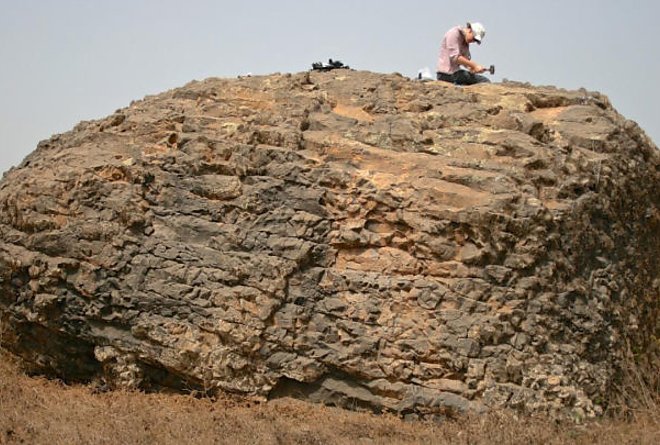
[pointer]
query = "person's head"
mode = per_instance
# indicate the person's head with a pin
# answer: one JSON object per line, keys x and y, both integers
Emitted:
{"x": 475, "y": 32}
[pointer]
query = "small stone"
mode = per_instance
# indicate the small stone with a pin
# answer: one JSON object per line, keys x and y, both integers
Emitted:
{"x": 554, "y": 380}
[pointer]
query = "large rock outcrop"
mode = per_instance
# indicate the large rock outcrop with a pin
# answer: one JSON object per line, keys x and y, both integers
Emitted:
{"x": 345, "y": 237}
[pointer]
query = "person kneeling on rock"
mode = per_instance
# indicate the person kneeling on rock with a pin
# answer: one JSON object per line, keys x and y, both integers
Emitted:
{"x": 455, "y": 52}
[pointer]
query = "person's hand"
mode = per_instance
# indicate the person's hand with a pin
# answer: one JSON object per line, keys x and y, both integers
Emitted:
{"x": 479, "y": 69}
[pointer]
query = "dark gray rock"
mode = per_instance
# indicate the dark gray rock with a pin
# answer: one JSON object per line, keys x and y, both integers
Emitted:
{"x": 349, "y": 238}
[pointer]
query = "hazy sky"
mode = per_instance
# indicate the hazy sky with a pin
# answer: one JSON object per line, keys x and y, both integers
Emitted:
{"x": 63, "y": 61}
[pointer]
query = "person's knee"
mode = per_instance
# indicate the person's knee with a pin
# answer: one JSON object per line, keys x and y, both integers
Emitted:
{"x": 445, "y": 77}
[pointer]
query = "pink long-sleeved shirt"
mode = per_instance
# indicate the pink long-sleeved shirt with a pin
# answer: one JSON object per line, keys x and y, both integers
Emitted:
{"x": 452, "y": 46}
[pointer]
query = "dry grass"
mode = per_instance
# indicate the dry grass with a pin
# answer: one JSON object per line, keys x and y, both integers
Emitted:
{"x": 39, "y": 411}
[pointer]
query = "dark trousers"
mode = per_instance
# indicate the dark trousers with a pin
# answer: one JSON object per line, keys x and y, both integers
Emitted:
{"x": 462, "y": 77}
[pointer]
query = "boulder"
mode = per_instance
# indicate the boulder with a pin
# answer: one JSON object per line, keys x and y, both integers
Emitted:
{"x": 344, "y": 237}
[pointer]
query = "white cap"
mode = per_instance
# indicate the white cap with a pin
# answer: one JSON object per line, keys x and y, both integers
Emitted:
{"x": 478, "y": 30}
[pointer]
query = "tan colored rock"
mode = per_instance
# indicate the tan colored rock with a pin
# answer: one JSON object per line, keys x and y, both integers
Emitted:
{"x": 358, "y": 239}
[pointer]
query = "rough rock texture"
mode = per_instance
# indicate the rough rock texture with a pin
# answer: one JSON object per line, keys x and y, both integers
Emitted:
{"x": 345, "y": 237}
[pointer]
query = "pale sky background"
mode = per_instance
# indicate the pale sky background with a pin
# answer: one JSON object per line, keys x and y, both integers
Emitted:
{"x": 63, "y": 61}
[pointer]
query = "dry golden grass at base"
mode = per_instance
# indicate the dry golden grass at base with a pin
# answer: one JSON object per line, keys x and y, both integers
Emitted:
{"x": 39, "y": 411}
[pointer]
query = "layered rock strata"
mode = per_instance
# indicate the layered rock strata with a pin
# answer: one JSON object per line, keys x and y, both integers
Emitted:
{"x": 345, "y": 237}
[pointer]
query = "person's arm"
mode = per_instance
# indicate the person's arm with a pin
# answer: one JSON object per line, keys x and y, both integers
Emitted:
{"x": 472, "y": 66}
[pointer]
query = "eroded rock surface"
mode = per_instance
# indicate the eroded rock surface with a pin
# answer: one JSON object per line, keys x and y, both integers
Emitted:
{"x": 346, "y": 237}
